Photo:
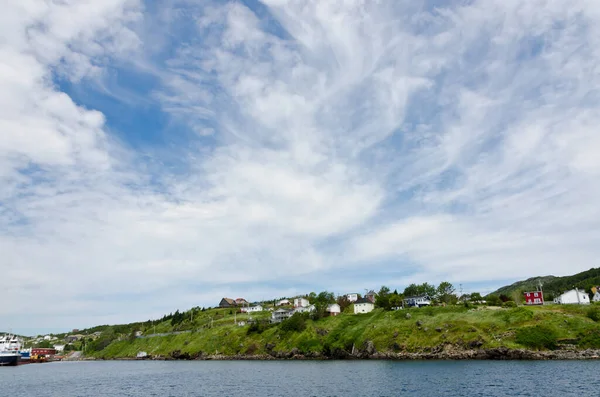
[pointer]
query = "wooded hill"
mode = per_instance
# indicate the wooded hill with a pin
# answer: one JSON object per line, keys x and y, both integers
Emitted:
{"x": 554, "y": 286}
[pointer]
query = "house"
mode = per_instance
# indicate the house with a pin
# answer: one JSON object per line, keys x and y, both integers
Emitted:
{"x": 301, "y": 302}
{"x": 252, "y": 309}
{"x": 371, "y": 295}
{"x": 352, "y": 297}
{"x": 574, "y": 296}
{"x": 305, "y": 309}
{"x": 227, "y": 302}
{"x": 595, "y": 294}
{"x": 363, "y": 305}
{"x": 417, "y": 301}
{"x": 138, "y": 334}
{"x": 59, "y": 348}
{"x": 281, "y": 314}
{"x": 73, "y": 338}
{"x": 333, "y": 309}
{"x": 47, "y": 337}
{"x": 283, "y": 302}
{"x": 241, "y": 301}
{"x": 534, "y": 298}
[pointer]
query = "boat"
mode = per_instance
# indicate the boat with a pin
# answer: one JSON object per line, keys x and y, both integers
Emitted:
{"x": 25, "y": 354}
{"x": 10, "y": 346}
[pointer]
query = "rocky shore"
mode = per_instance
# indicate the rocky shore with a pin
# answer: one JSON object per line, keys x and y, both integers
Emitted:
{"x": 446, "y": 352}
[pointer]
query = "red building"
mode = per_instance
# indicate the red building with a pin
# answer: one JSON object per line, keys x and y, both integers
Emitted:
{"x": 41, "y": 351}
{"x": 534, "y": 298}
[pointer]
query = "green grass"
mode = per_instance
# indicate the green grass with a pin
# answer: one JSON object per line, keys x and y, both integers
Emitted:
{"x": 426, "y": 329}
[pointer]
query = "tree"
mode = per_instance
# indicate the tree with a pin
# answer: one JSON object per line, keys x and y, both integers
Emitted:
{"x": 421, "y": 289}
{"x": 476, "y": 297}
{"x": 411, "y": 290}
{"x": 296, "y": 323}
{"x": 383, "y": 298}
{"x": 321, "y": 301}
{"x": 343, "y": 301}
{"x": 395, "y": 300}
{"x": 325, "y": 297}
{"x": 445, "y": 292}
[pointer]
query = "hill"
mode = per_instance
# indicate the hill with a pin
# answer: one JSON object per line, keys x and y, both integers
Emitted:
{"x": 554, "y": 286}
{"x": 433, "y": 332}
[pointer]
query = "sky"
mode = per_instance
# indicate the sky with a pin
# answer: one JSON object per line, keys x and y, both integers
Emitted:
{"x": 157, "y": 156}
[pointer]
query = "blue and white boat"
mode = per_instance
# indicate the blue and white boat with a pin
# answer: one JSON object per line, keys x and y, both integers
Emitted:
{"x": 10, "y": 347}
{"x": 25, "y": 354}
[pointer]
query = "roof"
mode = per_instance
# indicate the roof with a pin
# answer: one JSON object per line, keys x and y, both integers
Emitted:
{"x": 363, "y": 300}
{"x": 229, "y": 300}
{"x": 371, "y": 293}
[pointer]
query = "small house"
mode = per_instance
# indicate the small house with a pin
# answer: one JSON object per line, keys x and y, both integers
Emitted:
{"x": 283, "y": 302}
{"x": 573, "y": 297}
{"x": 363, "y": 305}
{"x": 281, "y": 314}
{"x": 534, "y": 298}
{"x": 352, "y": 297}
{"x": 301, "y": 302}
{"x": 333, "y": 309}
{"x": 371, "y": 295}
{"x": 227, "y": 302}
{"x": 304, "y": 309}
{"x": 417, "y": 301}
{"x": 59, "y": 348}
{"x": 252, "y": 309}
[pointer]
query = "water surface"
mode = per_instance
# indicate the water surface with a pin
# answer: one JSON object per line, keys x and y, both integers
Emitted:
{"x": 303, "y": 378}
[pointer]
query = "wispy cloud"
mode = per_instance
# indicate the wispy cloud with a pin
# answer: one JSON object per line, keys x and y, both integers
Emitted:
{"x": 307, "y": 141}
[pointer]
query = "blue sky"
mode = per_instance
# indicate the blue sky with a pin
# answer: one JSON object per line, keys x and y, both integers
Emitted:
{"x": 158, "y": 156}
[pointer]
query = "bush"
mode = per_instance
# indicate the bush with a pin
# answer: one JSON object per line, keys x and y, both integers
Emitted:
{"x": 537, "y": 337}
{"x": 590, "y": 340}
{"x": 509, "y": 304}
{"x": 594, "y": 313}
{"x": 296, "y": 323}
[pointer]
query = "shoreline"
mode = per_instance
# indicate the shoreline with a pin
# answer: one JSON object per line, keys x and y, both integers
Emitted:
{"x": 496, "y": 354}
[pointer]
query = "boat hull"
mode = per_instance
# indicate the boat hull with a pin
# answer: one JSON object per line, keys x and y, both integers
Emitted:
{"x": 9, "y": 360}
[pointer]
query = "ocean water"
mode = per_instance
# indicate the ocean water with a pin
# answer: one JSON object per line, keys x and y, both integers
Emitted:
{"x": 303, "y": 378}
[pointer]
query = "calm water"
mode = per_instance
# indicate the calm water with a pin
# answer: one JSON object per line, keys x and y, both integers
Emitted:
{"x": 303, "y": 378}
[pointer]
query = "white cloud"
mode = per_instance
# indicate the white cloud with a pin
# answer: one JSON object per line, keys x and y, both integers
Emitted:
{"x": 456, "y": 142}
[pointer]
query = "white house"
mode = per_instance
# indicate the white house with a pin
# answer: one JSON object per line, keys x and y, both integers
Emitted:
{"x": 417, "y": 301}
{"x": 47, "y": 337}
{"x": 363, "y": 305}
{"x": 305, "y": 309}
{"x": 281, "y": 314}
{"x": 283, "y": 302}
{"x": 301, "y": 302}
{"x": 352, "y": 297}
{"x": 574, "y": 296}
{"x": 333, "y": 309}
{"x": 252, "y": 309}
{"x": 59, "y": 348}
{"x": 596, "y": 297}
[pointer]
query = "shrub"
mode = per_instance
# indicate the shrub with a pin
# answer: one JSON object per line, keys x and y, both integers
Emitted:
{"x": 537, "y": 337}
{"x": 509, "y": 304}
{"x": 296, "y": 323}
{"x": 590, "y": 340}
{"x": 594, "y": 313}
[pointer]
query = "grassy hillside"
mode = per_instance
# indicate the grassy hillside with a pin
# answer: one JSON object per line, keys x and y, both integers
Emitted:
{"x": 554, "y": 286}
{"x": 412, "y": 330}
